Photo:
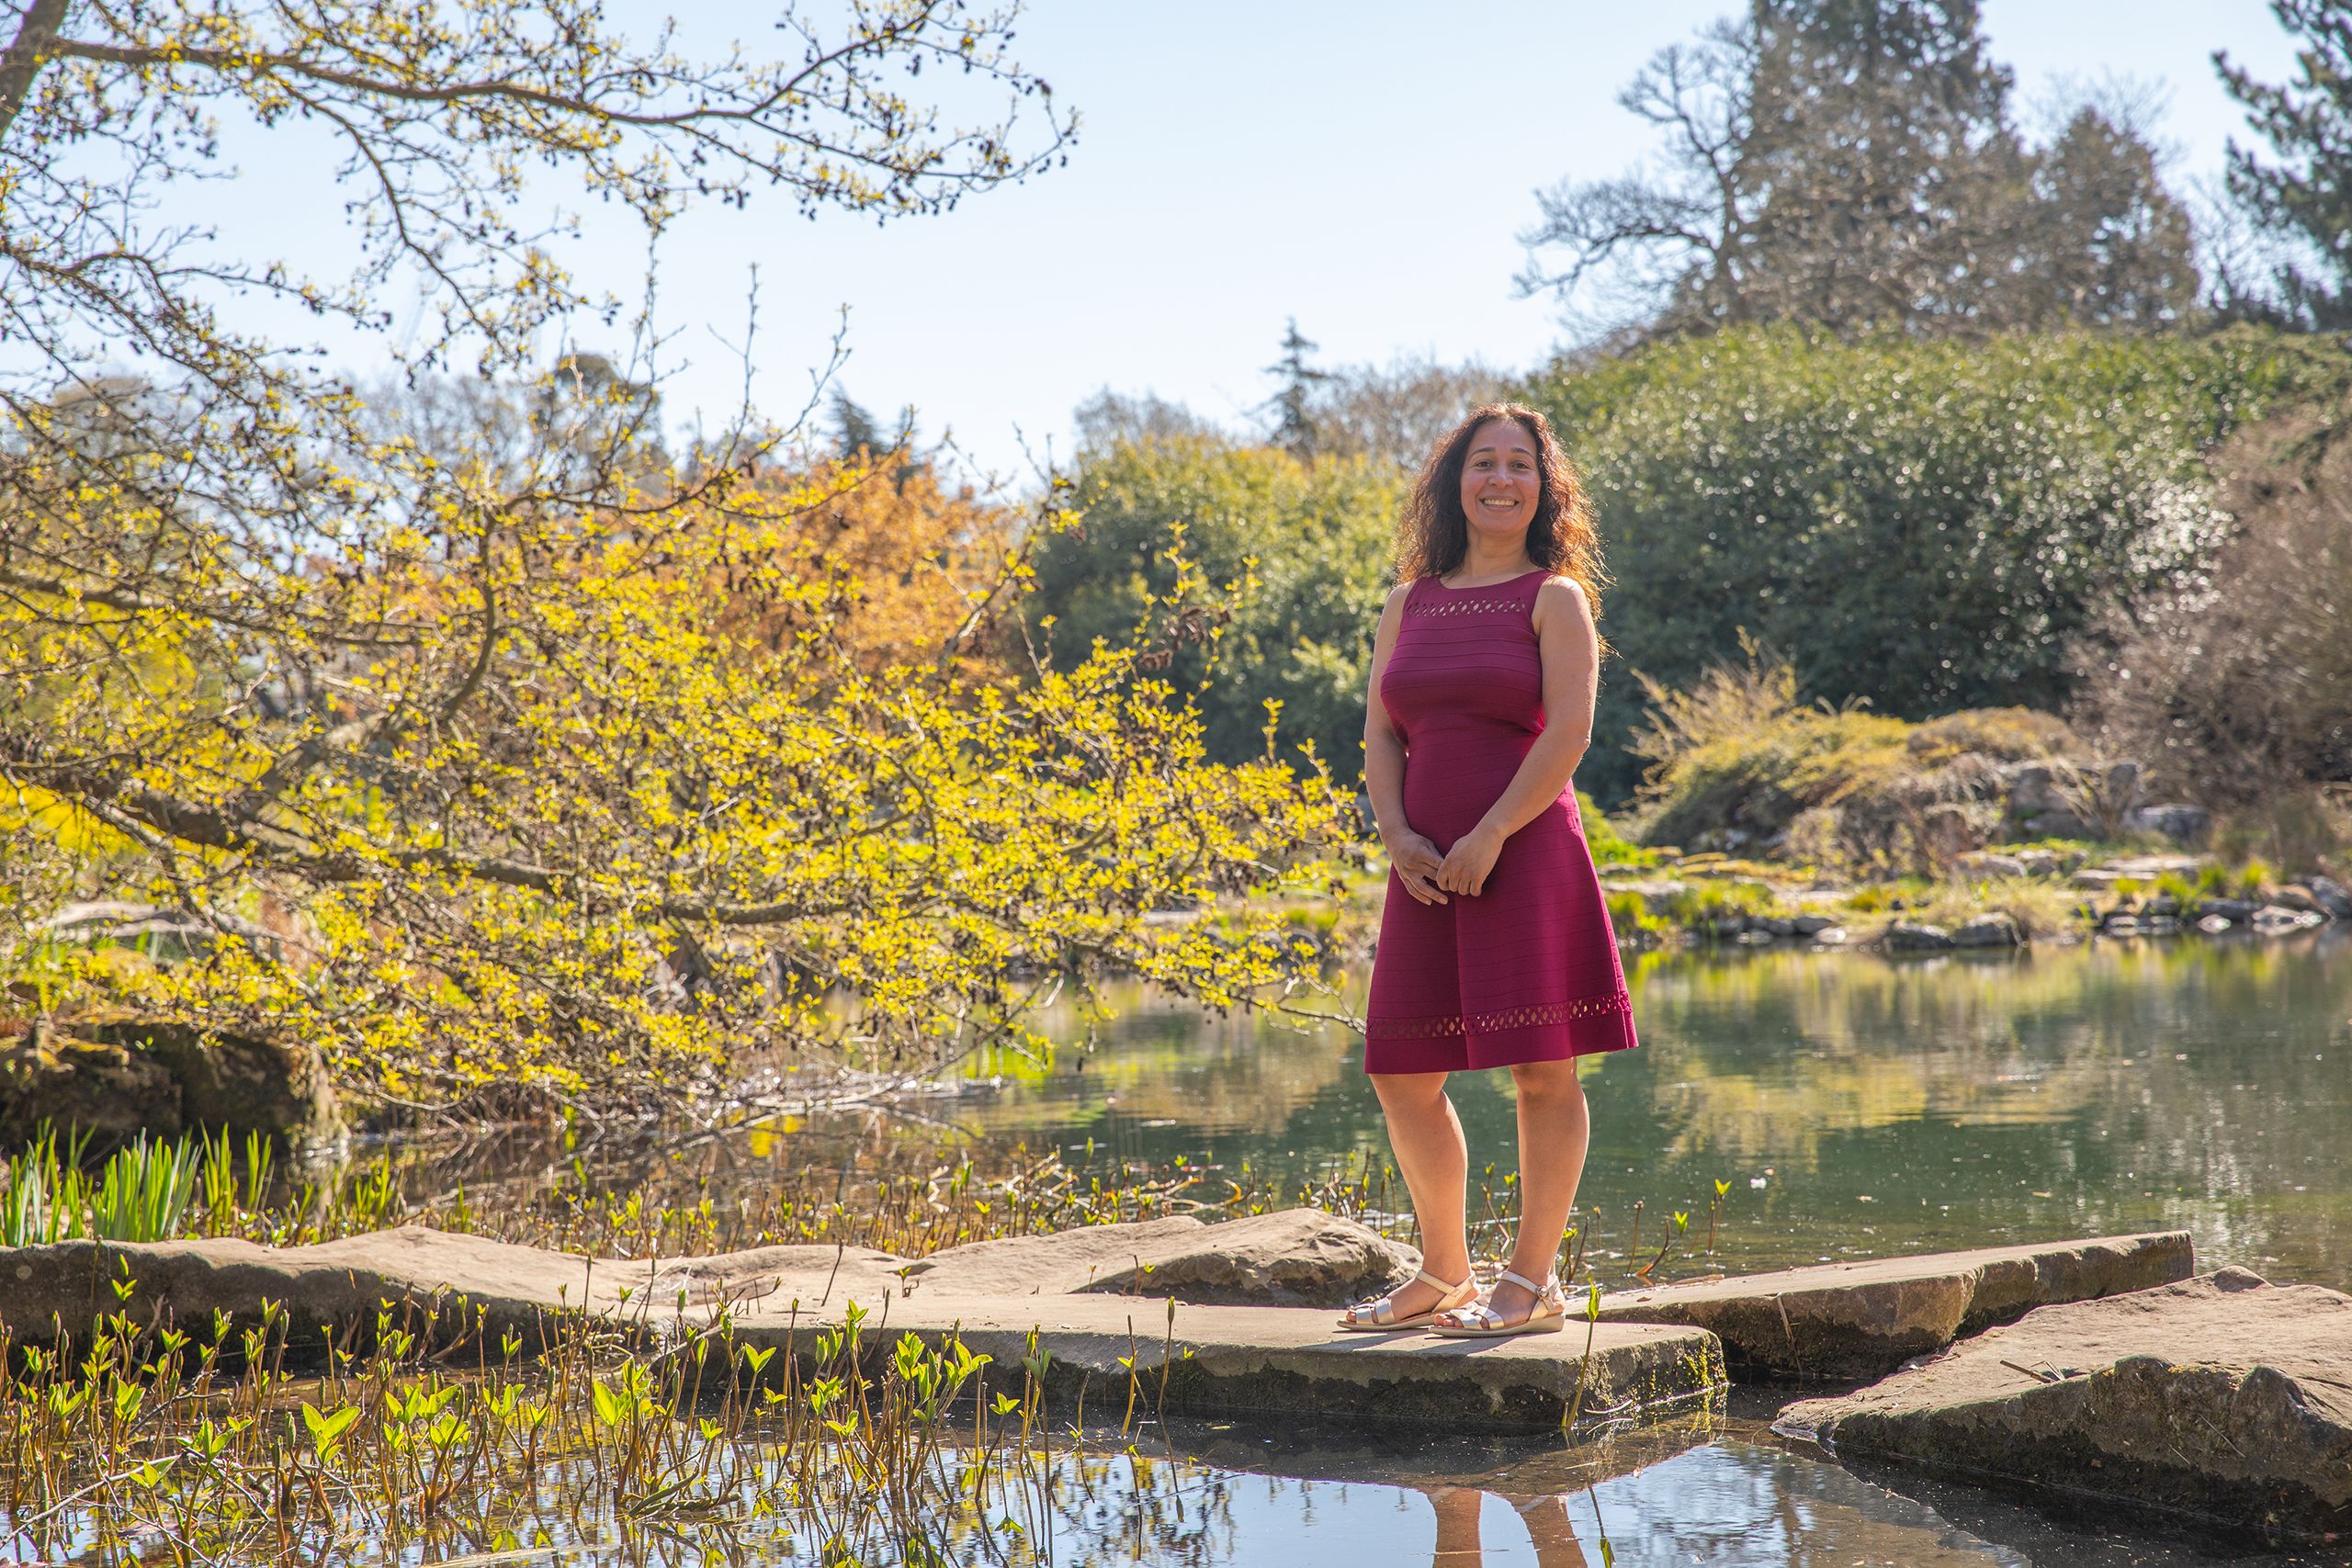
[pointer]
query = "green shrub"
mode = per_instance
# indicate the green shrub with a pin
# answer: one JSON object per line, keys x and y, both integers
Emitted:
{"x": 1926, "y": 524}
{"x": 1698, "y": 903}
{"x": 2004, "y": 734}
{"x": 1735, "y": 751}
{"x": 1610, "y": 848}
{"x": 1321, "y": 538}
{"x": 1629, "y": 912}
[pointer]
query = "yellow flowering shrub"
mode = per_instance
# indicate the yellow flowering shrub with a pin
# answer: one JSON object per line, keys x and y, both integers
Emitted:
{"x": 602, "y": 801}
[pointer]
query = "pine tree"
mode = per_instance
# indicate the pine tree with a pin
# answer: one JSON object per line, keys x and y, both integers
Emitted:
{"x": 2306, "y": 200}
{"x": 1293, "y": 405}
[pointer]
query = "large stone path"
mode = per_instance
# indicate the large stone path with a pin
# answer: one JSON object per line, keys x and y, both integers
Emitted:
{"x": 2222, "y": 1399}
{"x": 1269, "y": 1358}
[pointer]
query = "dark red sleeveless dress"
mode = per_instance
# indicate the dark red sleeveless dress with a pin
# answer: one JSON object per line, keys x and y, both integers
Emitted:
{"x": 1526, "y": 971}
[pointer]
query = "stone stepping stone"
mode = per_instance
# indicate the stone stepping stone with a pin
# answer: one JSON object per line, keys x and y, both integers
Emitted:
{"x": 1293, "y": 1360}
{"x": 2221, "y": 1399}
{"x": 1297, "y": 1256}
{"x": 1268, "y": 1359}
{"x": 1849, "y": 1321}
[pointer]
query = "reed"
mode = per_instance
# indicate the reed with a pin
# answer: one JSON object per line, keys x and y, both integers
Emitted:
{"x": 144, "y": 1191}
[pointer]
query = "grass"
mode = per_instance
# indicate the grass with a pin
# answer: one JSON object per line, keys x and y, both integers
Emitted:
{"x": 145, "y": 1190}
{"x": 2041, "y": 909}
{"x": 151, "y": 1189}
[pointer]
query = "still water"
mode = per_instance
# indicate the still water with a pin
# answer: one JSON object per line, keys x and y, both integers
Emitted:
{"x": 1855, "y": 1106}
{"x": 1858, "y": 1106}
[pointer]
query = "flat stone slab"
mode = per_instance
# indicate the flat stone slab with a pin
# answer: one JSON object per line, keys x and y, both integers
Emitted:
{"x": 1297, "y": 1256}
{"x": 1293, "y": 1360}
{"x": 463, "y": 1289}
{"x": 1291, "y": 1258}
{"x": 1846, "y": 1321}
{"x": 2221, "y": 1399}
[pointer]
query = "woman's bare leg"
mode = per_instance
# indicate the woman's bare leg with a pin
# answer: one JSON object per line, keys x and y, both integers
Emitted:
{"x": 1548, "y": 1530}
{"x": 1553, "y": 1129}
{"x": 1458, "y": 1526}
{"x": 1426, "y": 1136}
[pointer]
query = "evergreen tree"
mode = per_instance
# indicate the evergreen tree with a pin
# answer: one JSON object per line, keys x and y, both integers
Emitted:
{"x": 2307, "y": 199}
{"x": 1852, "y": 163}
{"x": 1293, "y": 406}
{"x": 855, "y": 429}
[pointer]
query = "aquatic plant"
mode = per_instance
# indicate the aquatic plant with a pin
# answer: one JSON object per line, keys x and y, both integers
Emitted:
{"x": 144, "y": 1191}
{"x": 48, "y": 1195}
{"x": 193, "y": 1443}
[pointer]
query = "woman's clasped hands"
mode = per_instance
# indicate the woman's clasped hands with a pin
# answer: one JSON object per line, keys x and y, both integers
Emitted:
{"x": 1428, "y": 874}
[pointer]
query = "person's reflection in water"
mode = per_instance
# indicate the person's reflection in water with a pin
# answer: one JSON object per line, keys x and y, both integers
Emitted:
{"x": 1546, "y": 1518}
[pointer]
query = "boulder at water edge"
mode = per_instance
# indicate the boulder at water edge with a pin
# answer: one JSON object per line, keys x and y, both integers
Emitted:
{"x": 1866, "y": 1317}
{"x": 2221, "y": 1399}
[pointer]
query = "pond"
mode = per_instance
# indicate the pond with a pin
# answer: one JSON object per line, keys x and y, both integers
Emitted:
{"x": 1853, "y": 1104}
{"x": 1856, "y": 1105}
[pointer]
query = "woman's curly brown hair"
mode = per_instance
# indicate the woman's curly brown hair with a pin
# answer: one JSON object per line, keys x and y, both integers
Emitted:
{"x": 1433, "y": 536}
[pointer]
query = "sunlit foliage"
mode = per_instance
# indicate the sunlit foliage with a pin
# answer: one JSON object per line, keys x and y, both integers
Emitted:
{"x": 548, "y": 755}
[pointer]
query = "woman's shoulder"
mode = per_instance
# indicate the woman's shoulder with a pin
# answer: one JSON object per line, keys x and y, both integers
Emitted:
{"x": 1559, "y": 587}
{"x": 1561, "y": 593}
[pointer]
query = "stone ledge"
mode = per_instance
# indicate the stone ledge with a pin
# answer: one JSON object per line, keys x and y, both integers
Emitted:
{"x": 1293, "y": 1257}
{"x": 1846, "y": 1321}
{"x": 1293, "y": 1360}
{"x": 468, "y": 1291}
{"x": 2221, "y": 1399}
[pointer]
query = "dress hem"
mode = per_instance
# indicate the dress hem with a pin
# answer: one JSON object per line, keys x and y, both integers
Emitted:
{"x": 1424, "y": 1045}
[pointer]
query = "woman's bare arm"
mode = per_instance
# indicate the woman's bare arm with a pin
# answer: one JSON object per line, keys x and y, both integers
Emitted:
{"x": 1414, "y": 856}
{"x": 1570, "y": 649}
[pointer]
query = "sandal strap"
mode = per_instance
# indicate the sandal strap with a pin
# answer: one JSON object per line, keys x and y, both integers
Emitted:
{"x": 1448, "y": 1286}
{"x": 1481, "y": 1312}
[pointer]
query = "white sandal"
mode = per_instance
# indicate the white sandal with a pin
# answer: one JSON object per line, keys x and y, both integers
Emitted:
{"x": 1480, "y": 1321}
{"x": 1382, "y": 1310}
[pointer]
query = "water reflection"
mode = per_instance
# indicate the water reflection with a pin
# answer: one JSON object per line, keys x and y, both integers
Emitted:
{"x": 1859, "y": 1105}
{"x": 1459, "y": 1511}
{"x": 1727, "y": 1503}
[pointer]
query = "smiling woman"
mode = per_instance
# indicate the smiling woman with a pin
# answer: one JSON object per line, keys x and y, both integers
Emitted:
{"x": 1495, "y": 947}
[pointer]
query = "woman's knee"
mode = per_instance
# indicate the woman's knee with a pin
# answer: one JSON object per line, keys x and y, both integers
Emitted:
{"x": 1408, "y": 1091}
{"x": 1548, "y": 1081}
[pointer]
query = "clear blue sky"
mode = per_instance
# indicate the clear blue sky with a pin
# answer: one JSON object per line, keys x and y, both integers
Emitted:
{"x": 1362, "y": 165}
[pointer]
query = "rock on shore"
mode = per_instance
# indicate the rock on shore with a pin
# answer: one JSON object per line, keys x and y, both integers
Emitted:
{"x": 1863, "y": 1319}
{"x": 2222, "y": 1399}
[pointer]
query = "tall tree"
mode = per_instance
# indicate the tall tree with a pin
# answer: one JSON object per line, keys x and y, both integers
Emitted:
{"x": 2104, "y": 240}
{"x": 1293, "y": 404}
{"x": 2306, "y": 199}
{"x": 1852, "y": 163}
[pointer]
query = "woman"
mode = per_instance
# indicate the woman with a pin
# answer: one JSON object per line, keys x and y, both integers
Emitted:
{"x": 1494, "y": 946}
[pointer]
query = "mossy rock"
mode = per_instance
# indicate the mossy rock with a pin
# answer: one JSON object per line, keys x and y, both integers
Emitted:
{"x": 117, "y": 1077}
{"x": 66, "y": 1082}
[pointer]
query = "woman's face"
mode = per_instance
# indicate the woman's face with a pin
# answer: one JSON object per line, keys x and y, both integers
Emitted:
{"x": 1500, "y": 482}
